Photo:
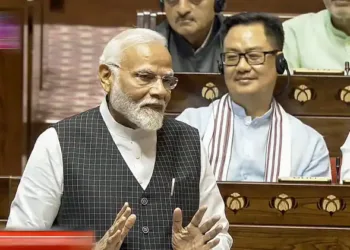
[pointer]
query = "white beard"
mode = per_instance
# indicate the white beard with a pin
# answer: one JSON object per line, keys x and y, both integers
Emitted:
{"x": 143, "y": 117}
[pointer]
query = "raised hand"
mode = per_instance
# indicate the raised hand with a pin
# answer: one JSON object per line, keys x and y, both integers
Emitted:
{"x": 195, "y": 237}
{"x": 114, "y": 237}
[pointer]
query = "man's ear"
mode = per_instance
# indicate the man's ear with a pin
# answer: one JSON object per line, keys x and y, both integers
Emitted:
{"x": 106, "y": 78}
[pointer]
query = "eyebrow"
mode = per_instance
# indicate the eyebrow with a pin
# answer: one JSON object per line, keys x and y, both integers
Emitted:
{"x": 146, "y": 71}
{"x": 149, "y": 71}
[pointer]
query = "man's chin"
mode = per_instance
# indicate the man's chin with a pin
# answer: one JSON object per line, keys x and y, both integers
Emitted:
{"x": 246, "y": 90}
{"x": 150, "y": 119}
{"x": 186, "y": 31}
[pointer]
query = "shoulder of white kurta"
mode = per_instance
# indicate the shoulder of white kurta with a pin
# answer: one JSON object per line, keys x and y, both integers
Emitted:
{"x": 346, "y": 144}
{"x": 302, "y": 21}
{"x": 198, "y": 117}
{"x": 303, "y": 132}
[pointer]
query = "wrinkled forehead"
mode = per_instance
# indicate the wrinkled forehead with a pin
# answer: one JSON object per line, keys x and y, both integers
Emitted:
{"x": 154, "y": 56}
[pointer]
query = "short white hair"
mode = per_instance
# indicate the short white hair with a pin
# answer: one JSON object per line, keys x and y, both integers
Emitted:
{"x": 112, "y": 53}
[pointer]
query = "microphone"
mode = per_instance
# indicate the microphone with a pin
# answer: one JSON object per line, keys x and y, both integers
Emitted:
{"x": 288, "y": 81}
{"x": 347, "y": 68}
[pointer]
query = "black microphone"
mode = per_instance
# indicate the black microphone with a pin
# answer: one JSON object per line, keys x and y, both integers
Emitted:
{"x": 337, "y": 166}
{"x": 347, "y": 68}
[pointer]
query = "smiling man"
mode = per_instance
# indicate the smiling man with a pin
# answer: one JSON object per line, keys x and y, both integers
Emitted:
{"x": 248, "y": 135}
{"x": 194, "y": 32}
{"x": 319, "y": 40}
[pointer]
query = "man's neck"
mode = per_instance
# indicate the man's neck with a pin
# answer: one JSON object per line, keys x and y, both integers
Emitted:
{"x": 254, "y": 107}
{"x": 342, "y": 24}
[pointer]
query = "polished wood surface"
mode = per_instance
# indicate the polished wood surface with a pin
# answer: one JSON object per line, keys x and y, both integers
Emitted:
{"x": 8, "y": 188}
{"x": 305, "y": 204}
{"x": 12, "y": 130}
{"x": 287, "y": 216}
{"x": 334, "y": 130}
{"x": 289, "y": 238}
{"x": 320, "y": 101}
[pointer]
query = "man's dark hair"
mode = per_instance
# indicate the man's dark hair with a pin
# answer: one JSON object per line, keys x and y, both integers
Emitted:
{"x": 272, "y": 24}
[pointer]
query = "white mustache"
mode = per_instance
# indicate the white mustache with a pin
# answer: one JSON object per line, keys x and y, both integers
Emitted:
{"x": 152, "y": 102}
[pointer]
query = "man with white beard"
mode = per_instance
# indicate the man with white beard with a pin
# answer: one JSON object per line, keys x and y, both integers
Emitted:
{"x": 125, "y": 155}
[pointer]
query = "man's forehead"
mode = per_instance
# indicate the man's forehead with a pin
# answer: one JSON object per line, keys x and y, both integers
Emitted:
{"x": 146, "y": 54}
{"x": 252, "y": 35}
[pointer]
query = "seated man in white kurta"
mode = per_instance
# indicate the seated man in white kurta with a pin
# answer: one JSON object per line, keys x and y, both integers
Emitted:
{"x": 345, "y": 167}
{"x": 248, "y": 135}
{"x": 319, "y": 40}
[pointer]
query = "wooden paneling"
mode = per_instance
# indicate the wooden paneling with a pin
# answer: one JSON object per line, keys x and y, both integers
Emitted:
{"x": 12, "y": 132}
{"x": 123, "y": 13}
{"x": 8, "y": 188}
{"x": 289, "y": 238}
{"x": 335, "y": 130}
{"x": 257, "y": 221}
{"x": 306, "y": 198}
{"x": 4, "y": 4}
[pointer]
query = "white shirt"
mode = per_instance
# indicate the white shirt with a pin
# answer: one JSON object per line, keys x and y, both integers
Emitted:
{"x": 310, "y": 157}
{"x": 312, "y": 42}
{"x": 38, "y": 197}
{"x": 345, "y": 166}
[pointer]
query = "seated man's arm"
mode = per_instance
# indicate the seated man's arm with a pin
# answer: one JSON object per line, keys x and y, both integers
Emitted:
{"x": 197, "y": 118}
{"x": 320, "y": 162}
{"x": 210, "y": 196}
{"x": 38, "y": 196}
{"x": 345, "y": 166}
{"x": 291, "y": 48}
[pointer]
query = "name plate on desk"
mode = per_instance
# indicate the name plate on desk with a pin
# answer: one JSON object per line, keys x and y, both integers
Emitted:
{"x": 303, "y": 71}
{"x": 306, "y": 180}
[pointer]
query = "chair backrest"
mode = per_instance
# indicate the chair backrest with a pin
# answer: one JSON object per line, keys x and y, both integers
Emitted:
{"x": 150, "y": 20}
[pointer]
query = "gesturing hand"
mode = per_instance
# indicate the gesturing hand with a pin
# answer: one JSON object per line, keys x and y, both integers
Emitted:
{"x": 114, "y": 237}
{"x": 195, "y": 237}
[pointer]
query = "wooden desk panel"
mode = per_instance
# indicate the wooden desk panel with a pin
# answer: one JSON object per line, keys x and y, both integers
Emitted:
{"x": 287, "y": 216}
{"x": 286, "y": 204}
{"x": 289, "y": 238}
{"x": 8, "y": 189}
{"x": 334, "y": 129}
{"x": 12, "y": 132}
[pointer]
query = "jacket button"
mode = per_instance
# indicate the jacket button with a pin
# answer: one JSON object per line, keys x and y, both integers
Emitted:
{"x": 144, "y": 201}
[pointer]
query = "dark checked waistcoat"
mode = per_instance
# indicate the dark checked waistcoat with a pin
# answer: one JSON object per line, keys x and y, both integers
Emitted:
{"x": 97, "y": 181}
